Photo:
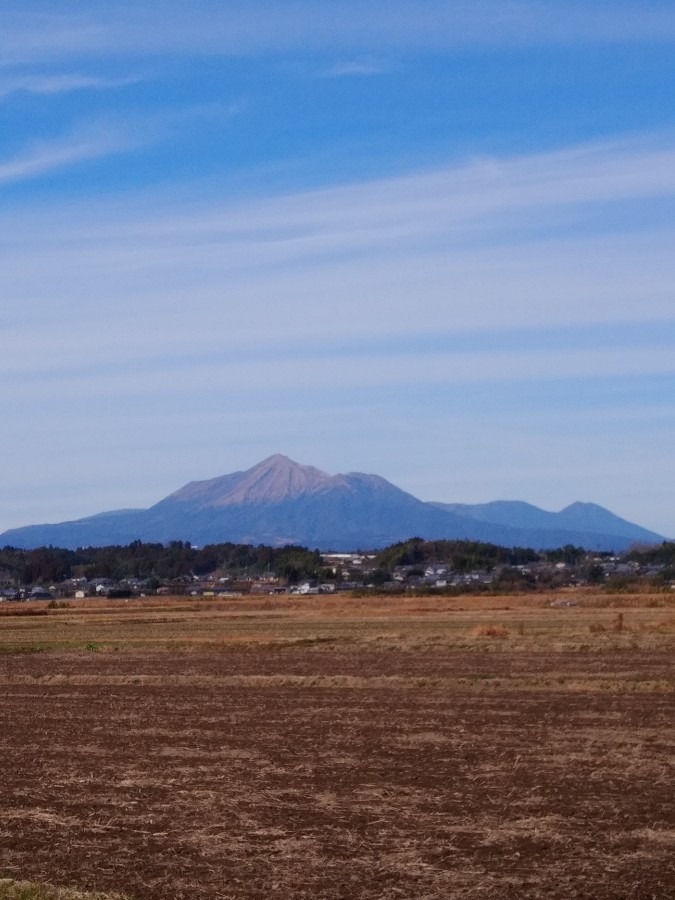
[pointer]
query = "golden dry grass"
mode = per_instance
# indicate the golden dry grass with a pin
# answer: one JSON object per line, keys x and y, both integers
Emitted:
{"x": 25, "y": 890}
{"x": 525, "y": 622}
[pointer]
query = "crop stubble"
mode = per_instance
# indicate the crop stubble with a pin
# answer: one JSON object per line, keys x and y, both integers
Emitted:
{"x": 367, "y": 765}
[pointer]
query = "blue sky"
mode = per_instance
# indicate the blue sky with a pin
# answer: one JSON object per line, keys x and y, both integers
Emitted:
{"x": 431, "y": 240}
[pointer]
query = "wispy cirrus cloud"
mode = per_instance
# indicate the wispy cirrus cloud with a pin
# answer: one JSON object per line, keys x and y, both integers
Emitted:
{"x": 477, "y": 298}
{"x": 463, "y": 205}
{"x": 361, "y": 66}
{"x": 30, "y": 36}
{"x": 542, "y": 239}
{"x": 61, "y": 83}
{"x": 107, "y": 137}
{"x": 44, "y": 157}
{"x": 357, "y": 26}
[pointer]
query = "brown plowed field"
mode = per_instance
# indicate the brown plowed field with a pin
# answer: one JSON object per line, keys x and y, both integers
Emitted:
{"x": 515, "y": 753}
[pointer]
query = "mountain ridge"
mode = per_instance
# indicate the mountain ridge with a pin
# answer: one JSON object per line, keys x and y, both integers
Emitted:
{"x": 279, "y": 501}
{"x": 274, "y": 479}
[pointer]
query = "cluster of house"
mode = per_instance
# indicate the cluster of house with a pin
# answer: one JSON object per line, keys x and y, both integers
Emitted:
{"x": 443, "y": 575}
{"x": 78, "y": 588}
{"x": 350, "y": 571}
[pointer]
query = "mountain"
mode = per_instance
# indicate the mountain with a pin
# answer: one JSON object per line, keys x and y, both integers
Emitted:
{"x": 273, "y": 480}
{"x": 586, "y": 517}
{"x": 281, "y": 502}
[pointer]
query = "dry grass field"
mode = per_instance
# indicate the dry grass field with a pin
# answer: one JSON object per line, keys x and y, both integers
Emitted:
{"x": 329, "y": 747}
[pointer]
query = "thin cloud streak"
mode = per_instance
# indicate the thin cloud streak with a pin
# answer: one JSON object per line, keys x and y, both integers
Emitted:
{"x": 49, "y": 85}
{"x": 106, "y": 137}
{"x": 561, "y": 282}
{"x": 487, "y": 244}
{"x": 453, "y": 199}
{"x": 33, "y": 37}
{"x": 362, "y": 67}
{"x": 238, "y": 29}
{"x": 88, "y": 379}
{"x": 48, "y": 156}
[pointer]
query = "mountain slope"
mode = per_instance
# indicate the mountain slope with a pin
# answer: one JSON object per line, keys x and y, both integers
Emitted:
{"x": 275, "y": 479}
{"x": 588, "y": 518}
{"x": 597, "y": 518}
{"x": 280, "y": 502}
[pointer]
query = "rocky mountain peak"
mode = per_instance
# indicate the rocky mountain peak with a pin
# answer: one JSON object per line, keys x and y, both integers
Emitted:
{"x": 273, "y": 480}
{"x": 277, "y": 478}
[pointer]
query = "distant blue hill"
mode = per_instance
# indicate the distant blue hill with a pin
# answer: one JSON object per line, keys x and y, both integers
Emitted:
{"x": 584, "y": 517}
{"x": 280, "y": 502}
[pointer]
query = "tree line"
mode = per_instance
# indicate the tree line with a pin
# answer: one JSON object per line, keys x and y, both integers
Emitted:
{"x": 180, "y": 560}
{"x": 167, "y": 562}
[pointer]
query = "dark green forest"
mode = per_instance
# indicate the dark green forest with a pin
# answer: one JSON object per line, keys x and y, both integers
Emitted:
{"x": 168, "y": 562}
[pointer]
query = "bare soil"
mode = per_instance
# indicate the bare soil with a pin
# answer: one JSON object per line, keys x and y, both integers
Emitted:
{"x": 345, "y": 768}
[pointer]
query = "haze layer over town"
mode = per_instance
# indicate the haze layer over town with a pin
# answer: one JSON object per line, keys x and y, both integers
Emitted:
{"x": 431, "y": 241}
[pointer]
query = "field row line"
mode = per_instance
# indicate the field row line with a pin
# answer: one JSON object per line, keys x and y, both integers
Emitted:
{"x": 549, "y": 682}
